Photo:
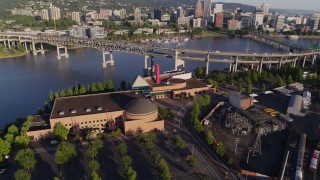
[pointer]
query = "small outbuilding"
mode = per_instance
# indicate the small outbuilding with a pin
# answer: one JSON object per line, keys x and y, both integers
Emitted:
{"x": 240, "y": 101}
{"x": 294, "y": 106}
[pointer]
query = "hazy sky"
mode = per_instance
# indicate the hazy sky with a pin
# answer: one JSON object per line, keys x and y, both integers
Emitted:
{"x": 281, "y": 4}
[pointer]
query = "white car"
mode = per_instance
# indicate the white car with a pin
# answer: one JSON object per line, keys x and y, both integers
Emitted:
{"x": 54, "y": 142}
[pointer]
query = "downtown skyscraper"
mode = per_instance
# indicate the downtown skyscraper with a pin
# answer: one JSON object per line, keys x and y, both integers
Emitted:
{"x": 198, "y": 10}
{"x": 207, "y": 9}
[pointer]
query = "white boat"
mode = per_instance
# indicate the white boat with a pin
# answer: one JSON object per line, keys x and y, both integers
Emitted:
{"x": 293, "y": 37}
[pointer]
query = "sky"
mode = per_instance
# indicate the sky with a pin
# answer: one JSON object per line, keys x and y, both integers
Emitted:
{"x": 281, "y": 4}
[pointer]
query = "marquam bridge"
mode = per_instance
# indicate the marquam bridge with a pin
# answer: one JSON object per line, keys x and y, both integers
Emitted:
{"x": 256, "y": 60}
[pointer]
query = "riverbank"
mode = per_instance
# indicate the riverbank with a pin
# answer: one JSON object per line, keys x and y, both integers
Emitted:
{"x": 4, "y": 56}
{"x": 210, "y": 34}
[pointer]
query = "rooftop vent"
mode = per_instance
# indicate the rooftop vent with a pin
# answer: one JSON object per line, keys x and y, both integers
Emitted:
{"x": 136, "y": 93}
{"x": 88, "y": 110}
{"x": 73, "y": 111}
{"x": 61, "y": 113}
{"x": 99, "y": 108}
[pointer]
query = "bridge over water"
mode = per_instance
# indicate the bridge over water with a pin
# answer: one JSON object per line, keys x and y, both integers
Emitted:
{"x": 257, "y": 60}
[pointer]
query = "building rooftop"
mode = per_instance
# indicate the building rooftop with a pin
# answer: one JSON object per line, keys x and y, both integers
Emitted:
{"x": 140, "y": 106}
{"x": 40, "y": 122}
{"x": 92, "y": 104}
{"x": 295, "y": 101}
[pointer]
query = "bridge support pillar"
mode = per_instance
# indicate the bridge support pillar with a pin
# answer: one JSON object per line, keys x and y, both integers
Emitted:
{"x": 65, "y": 54}
{"x": 25, "y": 46}
{"x": 207, "y": 65}
{"x": 280, "y": 63}
{"x": 145, "y": 69}
{"x": 9, "y": 45}
{"x": 304, "y": 61}
{"x": 230, "y": 67}
{"x": 34, "y": 50}
{"x": 41, "y": 50}
{"x": 260, "y": 66}
{"x": 313, "y": 59}
{"x": 236, "y": 64}
{"x": 4, "y": 43}
{"x": 295, "y": 63}
{"x": 178, "y": 62}
{"x": 104, "y": 62}
{"x": 280, "y": 47}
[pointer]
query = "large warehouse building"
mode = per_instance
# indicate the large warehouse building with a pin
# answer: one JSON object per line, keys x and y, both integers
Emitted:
{"x": 130, "y": 111}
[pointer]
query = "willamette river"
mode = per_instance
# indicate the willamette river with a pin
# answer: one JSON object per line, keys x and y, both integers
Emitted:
{"x": 26, "y": 81}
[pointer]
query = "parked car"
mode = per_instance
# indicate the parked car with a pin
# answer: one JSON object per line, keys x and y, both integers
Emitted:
{"x": 3, "y": 169}
{"x": 54, "y": 142}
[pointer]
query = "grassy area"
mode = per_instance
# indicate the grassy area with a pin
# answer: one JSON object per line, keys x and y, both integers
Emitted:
{"x": 211, "y": 34}
{"x": 6, "y": 53}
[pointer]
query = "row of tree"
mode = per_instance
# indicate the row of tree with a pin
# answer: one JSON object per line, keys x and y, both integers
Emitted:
{"x": 94, "y": 165}
{"x": 126, "y": 160}
{"x": 148, "y": 140}
{"x": 105, "y": 86}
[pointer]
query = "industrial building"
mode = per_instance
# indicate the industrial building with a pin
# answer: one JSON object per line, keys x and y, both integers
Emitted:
{"x": 129, "y": 111}
{"x": 290, "y": 89}
{"x": 240, "y": 101}
{"x": 294, "y": 106}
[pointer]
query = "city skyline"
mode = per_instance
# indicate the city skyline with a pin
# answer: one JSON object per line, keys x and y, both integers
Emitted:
{"x": 275, "y": 4}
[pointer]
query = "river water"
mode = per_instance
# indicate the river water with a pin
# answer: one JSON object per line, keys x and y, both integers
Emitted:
{"x": 26, "y": 81}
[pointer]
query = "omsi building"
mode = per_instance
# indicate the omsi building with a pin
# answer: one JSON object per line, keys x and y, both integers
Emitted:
{"x": 129, "y": 111}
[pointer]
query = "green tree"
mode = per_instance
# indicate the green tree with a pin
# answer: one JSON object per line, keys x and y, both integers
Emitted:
{"x": 156, "y": 156}
{"x": 178, "y": 141}
{"x": 263, "y": 87}
{"x": 61, "y": 132}
{"x": 123, "y": 85}
{"x": 47, "y": 108}
{"x": 131, "y": 174}
{"x": 249, "y": 87}
{"x": 63, "y": 93}
{"x": 110, "y": 85}
{"x": 100, "y": 87}
{"x": 70, "y": 91}
{"x": 126, "y": 160}
{"x": 13, "y": 129}
{"x": 151, "y": 136}
{"x": 51, "y": 97}
{"x": 93, "y": 165}
{"x": 83, "y": 89}
{"x": 220, "y": 150}
{"x": 198, "y": 126}
{"x": 26, "y": 125}
{"x": 213, "y": 83}
{"x": 280, "y": 81}
{"x": 95, "y": 176}
{"x": 5, "y": 148}
{"x": 9, "y": 138}
{"x": 254, "y": 76}
{"x": 209, "y": 137}
{"x": 289, "y": 79}
{"x": 22, "y": 140}
{"x": 192, "y": 161}
{"x": 65, "y": 153}
{"x": 94, "y": 88}
{"x": 195, "y": 111}
{"x": 22, "y": 174}
{"x": 92, "y": 152}
{"x": 26, "y": 158}
{"x": 164, "y": 112}
{"x": 149, "y": 145}
{"x": 200, "y": 72}
{"x": 122, "y": 148}
{"x": 76, "y": 91}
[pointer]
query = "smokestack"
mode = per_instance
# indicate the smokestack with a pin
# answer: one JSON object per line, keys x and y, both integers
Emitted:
{"x": 157, "y": 73}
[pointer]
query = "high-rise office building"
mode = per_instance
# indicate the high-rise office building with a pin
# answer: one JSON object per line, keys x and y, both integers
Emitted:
{"x": 314, "y": 21}
{"x": 75, "y": 16}
{"x": 54, "y": 12}
{"x": 218, "y": 8}
{"x": 137, "y": 14}
{"x": 44, "y": 14}
{"x": 279, "y": 22}
{"x": 198, "y": 10}
{"x": 258, "y": 17}
{"x": 265, "y": 8}
{"x": 157, "y": 13}
{"x": 207, "y": 9}
{"x": 180, "y": 12}
{"x": 218, "y": 19}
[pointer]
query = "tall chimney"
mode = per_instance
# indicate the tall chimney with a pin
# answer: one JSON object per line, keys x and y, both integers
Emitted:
{"x": 157, "y": 73}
